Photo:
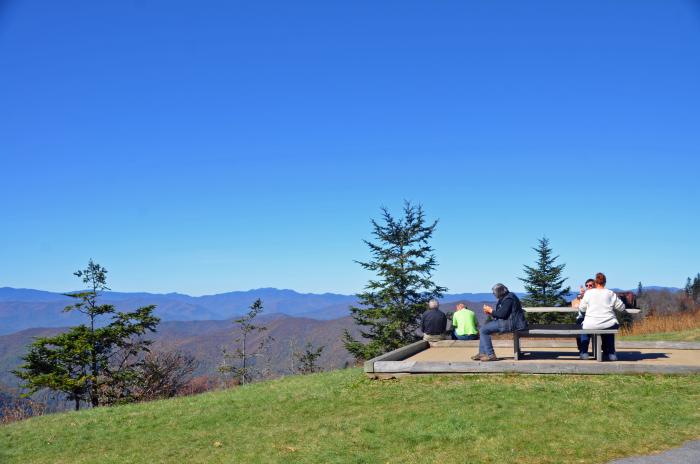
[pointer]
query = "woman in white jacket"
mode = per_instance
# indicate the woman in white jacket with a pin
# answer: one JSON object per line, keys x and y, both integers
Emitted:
{"x": 598, "y": 306}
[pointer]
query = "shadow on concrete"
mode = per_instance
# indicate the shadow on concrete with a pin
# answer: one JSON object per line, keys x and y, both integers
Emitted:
{"x": 569, "y": 355}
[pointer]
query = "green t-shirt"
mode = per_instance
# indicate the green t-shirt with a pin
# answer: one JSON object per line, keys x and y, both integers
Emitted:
{"x": 464, "y": 322}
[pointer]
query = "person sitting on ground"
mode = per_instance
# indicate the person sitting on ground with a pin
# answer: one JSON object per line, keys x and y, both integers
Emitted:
{"x": 582, "y": 340}
{"x": 464, "y": 323}
{"x": 507, "y": 317}
{"x": 433, "y": 322}
{"x": 598, "y": 306}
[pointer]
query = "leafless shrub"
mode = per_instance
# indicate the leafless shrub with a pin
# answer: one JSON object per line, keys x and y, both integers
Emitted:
{"x": 660, "y": 302}
{"x": 197, "y": 385}
{"x": 20, "y": 410}
{"x": 165, "y": 374}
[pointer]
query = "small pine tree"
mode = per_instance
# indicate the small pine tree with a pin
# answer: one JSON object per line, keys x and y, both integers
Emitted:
{"x": 689, "y": 288}
{"x": 243, "y": 355}
{"x": 391, "y": 307}
{"x": 308, "y": 359}
{"x": 545, "y": 285}
{"x": 640, "y": 290}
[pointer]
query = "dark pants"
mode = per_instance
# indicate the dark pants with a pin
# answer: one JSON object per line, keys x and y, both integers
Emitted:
{"x": 463, "y": 337}
{"x": 608, "y": 341}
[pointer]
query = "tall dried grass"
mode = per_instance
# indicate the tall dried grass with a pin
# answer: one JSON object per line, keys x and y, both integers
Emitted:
{"x": 664, "y": 323}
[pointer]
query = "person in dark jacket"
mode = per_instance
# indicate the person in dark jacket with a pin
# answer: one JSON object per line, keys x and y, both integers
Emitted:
{"x": 507, "y": 317}
{"x": 433, "y": 323}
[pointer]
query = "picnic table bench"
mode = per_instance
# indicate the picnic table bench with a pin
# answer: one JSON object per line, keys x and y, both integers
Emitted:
{"x": 562, "y": 330}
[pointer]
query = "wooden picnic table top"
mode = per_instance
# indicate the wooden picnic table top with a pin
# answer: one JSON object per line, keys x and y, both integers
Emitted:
{"x": 567, "y": 309}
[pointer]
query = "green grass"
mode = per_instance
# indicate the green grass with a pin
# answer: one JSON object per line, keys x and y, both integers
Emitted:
{"x": 692, "y": 335}
{"x": 343, "y": 417}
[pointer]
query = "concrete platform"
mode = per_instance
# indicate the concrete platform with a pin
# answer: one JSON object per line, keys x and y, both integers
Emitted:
{"x": 540, "y": 357}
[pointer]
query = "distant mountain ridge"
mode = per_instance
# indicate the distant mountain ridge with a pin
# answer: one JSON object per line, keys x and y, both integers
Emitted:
{"x": 22, "y": 308}
{"x": 27, "y": 308}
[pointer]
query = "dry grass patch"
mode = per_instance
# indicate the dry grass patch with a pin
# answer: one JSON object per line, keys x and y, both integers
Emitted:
{"x": 663, "y": 324}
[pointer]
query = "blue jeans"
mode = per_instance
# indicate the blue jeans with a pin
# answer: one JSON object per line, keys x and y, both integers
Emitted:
{"x": 495, "y": 326}
{"x": 463, "y": 337}
{"x": 583, "y": 340}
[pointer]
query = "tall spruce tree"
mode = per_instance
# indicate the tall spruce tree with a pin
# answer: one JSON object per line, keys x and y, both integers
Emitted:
{"x": 390, "y": 308}
{"x": 545, "y": 285}
{"x": 96, "y": 363}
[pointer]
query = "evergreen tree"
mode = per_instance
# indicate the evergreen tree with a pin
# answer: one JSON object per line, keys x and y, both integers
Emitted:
{"x": 308, "y": 359}
{"x": 689, "y": 288}
{"x": 640, "y": 290}
{"x": 695, "y": 289}
{"x": 545, "y": 285}
{"x": 243, "y": 355}
{"x": 89, "y": 360}
{"x": 390, "y": 308}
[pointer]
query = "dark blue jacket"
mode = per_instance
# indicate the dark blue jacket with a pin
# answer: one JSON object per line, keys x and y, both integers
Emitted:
{"x": 433, "y": 322}
{"x": 510, "y": 309}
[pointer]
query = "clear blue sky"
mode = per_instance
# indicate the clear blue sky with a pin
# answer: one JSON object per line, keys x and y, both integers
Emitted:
{"x": 203, "y": 147}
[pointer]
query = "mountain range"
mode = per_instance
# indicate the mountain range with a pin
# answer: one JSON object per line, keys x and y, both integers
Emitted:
{"x": 22, "y": 309}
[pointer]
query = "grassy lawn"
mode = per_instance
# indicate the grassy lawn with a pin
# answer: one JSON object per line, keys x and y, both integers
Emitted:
{"x": 343, "y": 417}
{"x": 692, "y": 335}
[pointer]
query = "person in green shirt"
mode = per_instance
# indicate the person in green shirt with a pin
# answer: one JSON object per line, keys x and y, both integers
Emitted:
{"x": 464, "y": 323}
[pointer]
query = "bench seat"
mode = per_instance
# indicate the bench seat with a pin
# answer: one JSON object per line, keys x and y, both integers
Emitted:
{"x": 561, "y": 330}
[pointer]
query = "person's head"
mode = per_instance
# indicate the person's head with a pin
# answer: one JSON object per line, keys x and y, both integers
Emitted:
{"x": 600, "y": 280}
{"x": 433, "y": 304}
{"x": 460, "y": 306}
{"x": 590, "y": 283}
{"x": 499, "y": 291}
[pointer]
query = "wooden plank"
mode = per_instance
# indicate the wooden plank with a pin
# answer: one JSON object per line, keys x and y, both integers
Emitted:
{"x": 397, "y": 354}
{"x": 551, "y": 332}
{"x": 567, "y": 309}
{"x": 475, "y": 367}
{"x": 534, "y": 342}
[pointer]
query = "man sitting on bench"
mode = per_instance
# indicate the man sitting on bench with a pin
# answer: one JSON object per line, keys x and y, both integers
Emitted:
{"x": 507, "y": 317}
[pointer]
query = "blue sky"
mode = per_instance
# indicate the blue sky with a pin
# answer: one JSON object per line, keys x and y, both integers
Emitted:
{"x": 204, "y": 148}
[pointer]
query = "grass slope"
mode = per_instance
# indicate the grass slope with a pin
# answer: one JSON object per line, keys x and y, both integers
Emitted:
{"x": 343, "y": 417}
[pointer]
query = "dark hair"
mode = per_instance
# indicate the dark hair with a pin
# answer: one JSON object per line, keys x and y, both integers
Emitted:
{"x": 600, "y": 279}
{"x": 589, "y": 281}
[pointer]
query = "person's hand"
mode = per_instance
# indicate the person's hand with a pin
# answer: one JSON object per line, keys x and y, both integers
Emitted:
{"x": 488, "y": 309}
{"x": 575, "y": 303}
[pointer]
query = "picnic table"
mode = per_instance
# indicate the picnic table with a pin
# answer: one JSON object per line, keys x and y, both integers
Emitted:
{"x": 562, "y": 330}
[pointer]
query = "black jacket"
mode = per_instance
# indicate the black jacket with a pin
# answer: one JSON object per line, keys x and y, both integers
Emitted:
{"x": 433, "y": 322}
{"x": 510, "y": 309}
